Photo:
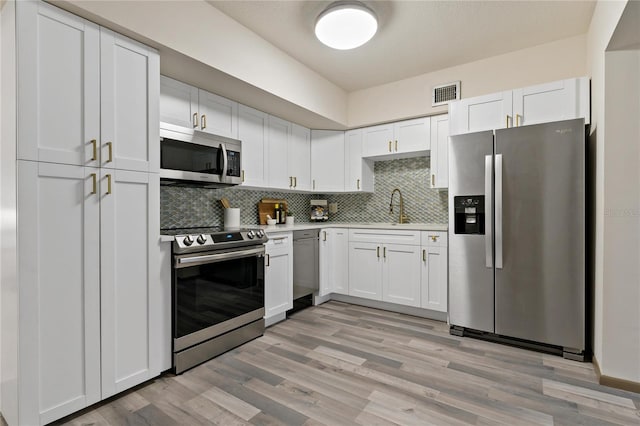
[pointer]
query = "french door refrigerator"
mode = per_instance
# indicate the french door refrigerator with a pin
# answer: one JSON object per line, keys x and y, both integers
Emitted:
{"x": 517, "y": 235}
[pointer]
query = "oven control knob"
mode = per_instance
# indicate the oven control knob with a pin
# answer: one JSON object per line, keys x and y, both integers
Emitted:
{"x": 260, "y": 233}
{"x": 188, "y": 240}
{"x": 202, "y": 239}
{"x": 251, "y": 234}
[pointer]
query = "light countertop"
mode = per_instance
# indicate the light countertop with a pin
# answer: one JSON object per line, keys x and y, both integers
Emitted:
{"x": 274, "y": 229}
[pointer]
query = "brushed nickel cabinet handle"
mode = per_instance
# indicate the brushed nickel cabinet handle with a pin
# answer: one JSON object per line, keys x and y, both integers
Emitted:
{"x": 94, "y": 177}
{"x": 203, "y": 121}
{"x": 243, "y": 175}
{"x": 424, "y": 255}
{"x": 295, "y": 181}
{"x": 110, "y": 146}
{"x": 94, "y": 157}
{"x": 358, "y": 184}
{"x": 195, "y": 119}
{"x": 290, "y": 181}
{"x": 518, "y": 117}
{"x": 268, "y": 260}
{"x": 509, "y": 118}
{"x": 396, "y": 146}
{"x": 384, "y": 252}
{"x": 324, "y": 235}
{"x": 108, "y": 184}
{"x": 378, "y": 252}
{"x": 389, "y": 146}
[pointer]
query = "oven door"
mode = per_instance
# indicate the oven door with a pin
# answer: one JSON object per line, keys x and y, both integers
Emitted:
{"x": 214, "y": 293}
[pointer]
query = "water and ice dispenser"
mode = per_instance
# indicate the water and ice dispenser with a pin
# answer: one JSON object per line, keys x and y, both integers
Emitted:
{"x": 469, "y": 214}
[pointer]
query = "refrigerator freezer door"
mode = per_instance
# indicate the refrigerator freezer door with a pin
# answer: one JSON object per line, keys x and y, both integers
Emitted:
{"x": 540, "y": 289}
{"x": 471, "y": 295}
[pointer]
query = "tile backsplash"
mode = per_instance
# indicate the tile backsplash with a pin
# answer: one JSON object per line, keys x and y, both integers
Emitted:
{"x": 183, "y": 207}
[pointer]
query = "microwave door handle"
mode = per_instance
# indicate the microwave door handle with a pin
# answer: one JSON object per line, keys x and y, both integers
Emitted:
{"x": 223, "y": 175}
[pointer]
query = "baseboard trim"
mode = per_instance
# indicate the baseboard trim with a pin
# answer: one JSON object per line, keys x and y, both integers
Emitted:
{"x": 393, "y": 307}
{"x": 614, "y": 382}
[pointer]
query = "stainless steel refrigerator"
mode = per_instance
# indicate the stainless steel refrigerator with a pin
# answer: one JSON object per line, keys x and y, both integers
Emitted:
{"x": 517, "y": 235}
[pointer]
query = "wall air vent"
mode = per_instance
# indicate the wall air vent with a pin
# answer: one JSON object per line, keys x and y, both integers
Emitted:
{"x": 445, "y": 93}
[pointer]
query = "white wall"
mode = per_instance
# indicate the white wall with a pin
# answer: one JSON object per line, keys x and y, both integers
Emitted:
{"x": 621, "y": 252}
{"x": 412, "y": 97}
{"x": 603, "y": 23}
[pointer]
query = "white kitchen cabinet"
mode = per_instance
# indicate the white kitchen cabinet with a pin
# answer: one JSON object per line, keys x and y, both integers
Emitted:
{"x": 252, "y": 131}
{"x": 397, "y": 140}
{"x": 385, "y": 265}
{"x": 334, "y": 261}
{"x": 365, "y": 270}
{"x": 278, "y": 274}
{"x": 486, "y": 112}
{"x": 276, "y": 155}
{"x": 188, "y": 106}
{"x": 434, "y": 271}
{"x": 440, "y": 151}
{"x": 129, "y": 282}
{"x": 218, "y": 115}
{"x": 327, "y": 161}
{"x": 59, "y": 304}
{"x": 97, "y": 102}
{"x": 299, "y": 158}
{"x": 59, "y": 86}
{"x": 559, "y": 100}
{"x": 178, "y": 103}
{"x": 129, "y": 104}
{"x": 401, "y": 279}
{"x": 358, "y": 171}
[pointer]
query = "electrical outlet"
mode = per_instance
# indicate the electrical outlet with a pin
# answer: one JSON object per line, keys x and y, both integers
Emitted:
{"x": 333, "y": 207}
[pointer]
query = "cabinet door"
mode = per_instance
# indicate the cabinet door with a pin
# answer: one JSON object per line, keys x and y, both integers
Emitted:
{"x": 412, "y": 135}
{"x": 278, "y": 136}
{"x": 434, "y": 278}
{"x": 440, "y": 151}
{"x": 560, "y": 100}
{"x": 401, "y": 282}
{"x": 481, "y": 113}
{"x": 299, "y": 157}
{"x": 178, "y": 103}
{"x": 59, "y": 273}
{"x": 278, "y": 276}
{"x": 334, "y": 261}
{"x": 252, "y": 131}
{"x": 365, "y": 270}
{"x": 129, "y": 223}
{"x": 358, "y": 171}
{"x": 377, "y": 140}
{"x": 327, "y": 160}
{"x": 58, "y": 86}
{"x": 130, "y": 91}
{"x": 218, "y": 115}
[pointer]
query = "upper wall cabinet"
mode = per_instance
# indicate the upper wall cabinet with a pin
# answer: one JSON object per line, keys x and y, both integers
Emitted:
{"x": 276, "y": 155}
{"x": 358, "y": 171}
{"x": 407, "y": 138}
{"x": 187, "y": 106}
{"x": 327, "y": 160}
{"x": 440, "y": 151}
{"x": 96, "y": 104}
{"x": 252, "y": 131}
{"x": 299, "y": 158}
{"x": 560, "y": 100}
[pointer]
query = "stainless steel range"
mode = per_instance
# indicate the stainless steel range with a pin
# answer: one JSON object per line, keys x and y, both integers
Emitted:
{"x": 218, "y": 292}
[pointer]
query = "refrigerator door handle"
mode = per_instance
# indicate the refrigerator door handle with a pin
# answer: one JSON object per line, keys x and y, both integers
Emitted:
{"x": 498, "y": 211}
{"x": 488, "y": 235}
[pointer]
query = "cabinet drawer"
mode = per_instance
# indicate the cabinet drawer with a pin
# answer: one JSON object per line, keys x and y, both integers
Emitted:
{"x": 434, "y": 238}
{"x": 380, "y": 236}
{"x": 278, "y": 240}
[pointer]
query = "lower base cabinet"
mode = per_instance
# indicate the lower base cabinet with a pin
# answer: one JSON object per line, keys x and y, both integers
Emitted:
{"x": 434, "y": 271}
{"x": 90, "y": 295}
{"x": 365, "y": 270}
{"x": 334, "y": 261}
{"x": 278, "y": 274}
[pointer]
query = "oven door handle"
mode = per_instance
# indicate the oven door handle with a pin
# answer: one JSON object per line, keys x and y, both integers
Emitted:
{"x": 184, "y": 262}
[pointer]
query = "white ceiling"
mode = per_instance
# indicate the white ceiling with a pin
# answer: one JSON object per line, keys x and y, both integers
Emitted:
{"x": 414, "y": 37}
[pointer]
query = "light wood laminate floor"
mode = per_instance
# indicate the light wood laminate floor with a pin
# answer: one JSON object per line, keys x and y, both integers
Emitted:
{"x": 339, "y": 364}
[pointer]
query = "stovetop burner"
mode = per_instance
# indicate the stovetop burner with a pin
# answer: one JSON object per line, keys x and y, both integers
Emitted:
{"x": 190, "y": 240}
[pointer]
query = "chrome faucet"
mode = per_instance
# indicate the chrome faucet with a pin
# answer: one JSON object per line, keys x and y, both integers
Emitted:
{"x": 402, "y": 218}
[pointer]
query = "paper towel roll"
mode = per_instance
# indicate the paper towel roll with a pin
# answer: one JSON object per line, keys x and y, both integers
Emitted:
{"x": 232, "y": 218}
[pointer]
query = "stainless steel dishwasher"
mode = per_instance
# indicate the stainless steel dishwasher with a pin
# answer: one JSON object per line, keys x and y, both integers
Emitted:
{"x": 305, "y": 263}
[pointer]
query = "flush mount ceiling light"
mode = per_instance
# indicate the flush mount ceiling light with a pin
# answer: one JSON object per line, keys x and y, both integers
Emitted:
{"x": 346, "y": 25}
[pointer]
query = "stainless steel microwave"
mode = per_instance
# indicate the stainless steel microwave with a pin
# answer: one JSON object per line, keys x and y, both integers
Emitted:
{"x": 188, "y": 155}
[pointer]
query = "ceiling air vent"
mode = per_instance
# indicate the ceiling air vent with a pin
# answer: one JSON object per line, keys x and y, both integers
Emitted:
{"x": 445, "y": 93}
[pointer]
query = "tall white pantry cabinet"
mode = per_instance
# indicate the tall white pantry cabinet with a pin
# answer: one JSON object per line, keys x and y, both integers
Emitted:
{"x": 80, "y": 200}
